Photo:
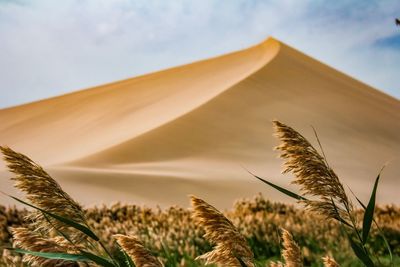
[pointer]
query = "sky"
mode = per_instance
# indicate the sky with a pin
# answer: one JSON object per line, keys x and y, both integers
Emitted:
{"x": 48, "y": 47}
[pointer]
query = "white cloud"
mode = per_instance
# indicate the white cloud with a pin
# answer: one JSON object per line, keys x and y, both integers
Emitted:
{"x": 52, "y": 47}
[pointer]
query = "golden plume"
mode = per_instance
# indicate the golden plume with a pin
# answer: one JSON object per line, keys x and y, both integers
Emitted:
{"x": 138, "y": 253}
{"x": 44, "y": 192}
{"x": 230, "y": 245}
{"x": 312, "y": 173}
{"x": 291, "y": 252}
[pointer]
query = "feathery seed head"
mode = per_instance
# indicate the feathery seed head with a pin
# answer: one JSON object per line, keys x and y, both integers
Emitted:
{"x": 223, "y": 256}
{"x": 44, "y": 192}
{"x": 312, "y": 173}
{"x": 138, "y": 253}
{"x": 28, "y": 240}
{"x": 230, "y": 244}
{"x": 291, "y": 252}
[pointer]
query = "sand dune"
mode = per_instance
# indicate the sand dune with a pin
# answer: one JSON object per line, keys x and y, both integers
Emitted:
{"x": 156, "y": 138}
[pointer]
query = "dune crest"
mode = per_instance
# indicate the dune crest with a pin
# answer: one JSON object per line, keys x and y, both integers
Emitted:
{"x": 190, "y": 129}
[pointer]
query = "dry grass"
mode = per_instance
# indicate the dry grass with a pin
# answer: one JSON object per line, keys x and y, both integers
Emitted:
{"x": 258, "y": 219}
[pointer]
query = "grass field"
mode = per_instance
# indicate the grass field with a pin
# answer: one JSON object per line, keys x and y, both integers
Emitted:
{"x": 258, "y": 219}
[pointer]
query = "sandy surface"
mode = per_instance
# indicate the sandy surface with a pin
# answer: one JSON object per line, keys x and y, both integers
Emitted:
{"x": 156, "y": 138}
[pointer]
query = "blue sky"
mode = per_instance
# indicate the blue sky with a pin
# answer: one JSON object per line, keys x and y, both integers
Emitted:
{"x": 52, "y": 47}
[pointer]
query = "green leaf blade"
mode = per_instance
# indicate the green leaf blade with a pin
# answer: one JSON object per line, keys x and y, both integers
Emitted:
{"x": 360, "y": 253}
{"x": 97, "y": 259}
{"x": 53, "y": 255}
{"x": 369, "y": 212}
{"x": 281, "y": 189}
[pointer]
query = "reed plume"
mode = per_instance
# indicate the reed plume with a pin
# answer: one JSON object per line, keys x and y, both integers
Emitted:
{"x": 330, "y": 262}
{"x": 312, "y": 173}
{"x": 291, "y": 252}
{"x": 230, "y": 245}
{"x": 44, "y": 192}
{"x": 26, "y": 239}
{"x": 138, "y": 253}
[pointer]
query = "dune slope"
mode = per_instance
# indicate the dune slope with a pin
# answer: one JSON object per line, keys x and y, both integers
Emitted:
{"x": 190, "y": 130}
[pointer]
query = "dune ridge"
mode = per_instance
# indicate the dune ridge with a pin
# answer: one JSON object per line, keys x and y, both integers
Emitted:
{"x": 154, "y": 139}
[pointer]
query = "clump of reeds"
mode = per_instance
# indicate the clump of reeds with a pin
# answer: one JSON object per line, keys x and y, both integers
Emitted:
{"x": 44, "y": 192}
{"x": 316, "y": 179}
{"x": 257, "y": 218}
{"x": 58, "y": 227}
{"x": 231, "y": 248}
{"x": 138, "y": 253}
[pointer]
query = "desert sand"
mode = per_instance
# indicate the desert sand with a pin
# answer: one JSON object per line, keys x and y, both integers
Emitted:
{"x": 192, "y": 129}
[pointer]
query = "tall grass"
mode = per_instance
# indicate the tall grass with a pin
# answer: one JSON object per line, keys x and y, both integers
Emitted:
{"x": 59, "y": 232}
{"x": 257, "y": 219}
{"x": 317, "y": 180}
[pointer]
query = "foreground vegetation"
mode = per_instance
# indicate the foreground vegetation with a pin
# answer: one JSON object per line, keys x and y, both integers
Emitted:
{"x": 258, "y": 219}
{"x": 59, "y": 232}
